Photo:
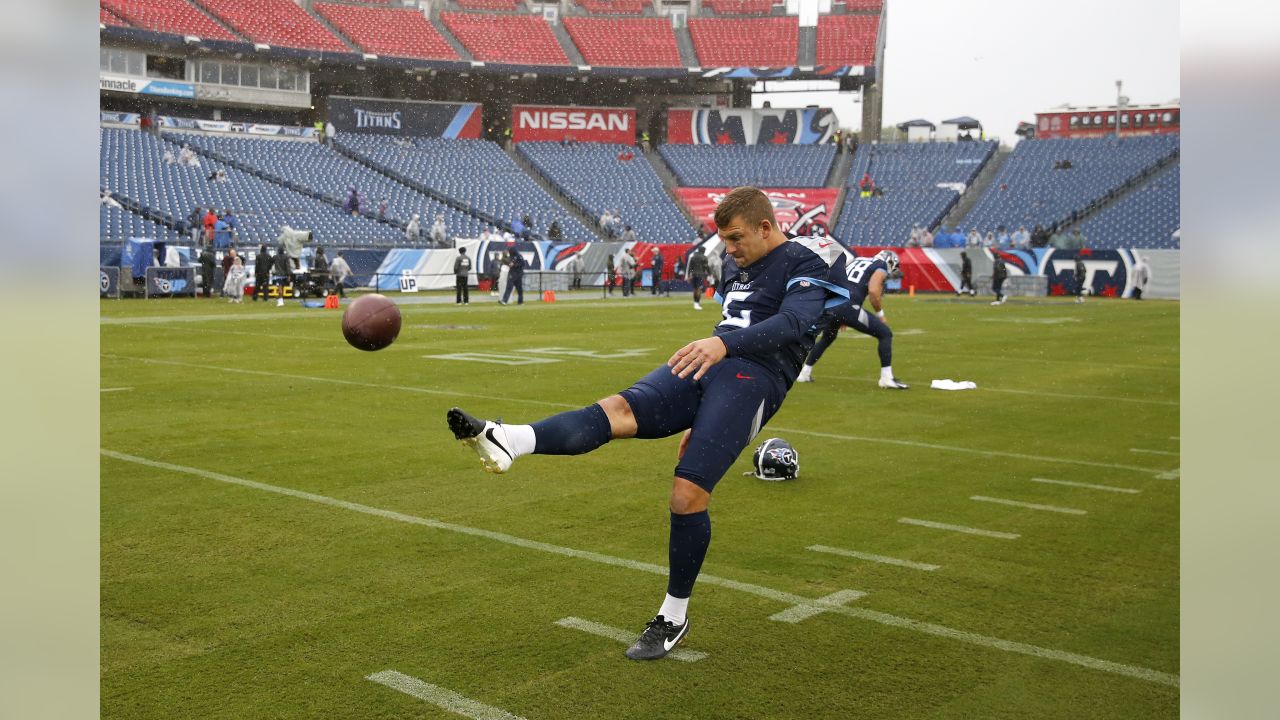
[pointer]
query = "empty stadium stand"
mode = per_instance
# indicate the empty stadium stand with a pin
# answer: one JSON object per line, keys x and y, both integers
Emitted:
{"x": 1029, "y": 189}
{"x": 625, "y": 42}
{"x": 475, "y": 173}
{"x": 596, "y": 179}
{"x": 775, "y": 166}
{"x": 489, "y": 4}
{"x": 320, "y": 169}
{"x": 516, "y": 39}
{"x": 132, "y": 165}
{"x": 1144, "y": 218}
{"x": 908, "y": 174}
{"x": 614, "y": 7}
{"x": 847, "y": 39}
{"x": 723, "y": 42}
{"x": 275, "y": 22}
{"x": 117, "y": 225}
{"x": 106, "y": 17}
{"x": 860, "y": 5}
{"x": 399, "y": 32}
{"x": 740, "y": 7}
{"x": 170, "y": 16}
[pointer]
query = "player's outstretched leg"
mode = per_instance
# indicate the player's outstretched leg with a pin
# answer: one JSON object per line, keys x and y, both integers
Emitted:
{"x": 569, "y": 433}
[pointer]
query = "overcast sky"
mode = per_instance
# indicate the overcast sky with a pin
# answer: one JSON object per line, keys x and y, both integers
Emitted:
{"x": 1001, "y": 61}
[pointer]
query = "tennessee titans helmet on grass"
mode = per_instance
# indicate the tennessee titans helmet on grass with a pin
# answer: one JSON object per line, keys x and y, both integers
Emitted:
{"x": 890, "y": 258}
{"x": 776, "y": 460}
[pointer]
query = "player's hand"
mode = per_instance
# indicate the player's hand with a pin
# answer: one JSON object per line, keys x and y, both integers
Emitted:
{"x": 684, "y": 443}
{"x": 697, "y": 357}
{"x": 880, "y": 314}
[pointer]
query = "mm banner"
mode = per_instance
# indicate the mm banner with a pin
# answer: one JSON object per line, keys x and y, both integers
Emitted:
{"x": 583, "y": 124}
{"x": 799, "y": 211}
{"x": 708, "y": 126}
{"x": 171, "y": 282}
{"x": 405, "y": 117}
{"x": 146, "y": 86}
{"x": 109, "y": 281}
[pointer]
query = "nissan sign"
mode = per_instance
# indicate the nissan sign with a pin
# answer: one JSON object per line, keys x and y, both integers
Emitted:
{"x": 540, "y": 122}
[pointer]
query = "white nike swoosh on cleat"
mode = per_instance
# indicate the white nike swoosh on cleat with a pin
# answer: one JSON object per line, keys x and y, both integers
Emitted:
{"x": 668, "y": 644}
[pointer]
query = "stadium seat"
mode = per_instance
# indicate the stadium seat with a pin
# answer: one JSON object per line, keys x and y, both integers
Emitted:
{"x": 388, "y": 31}
{"x": 1030, "y": 190}
{"x": 625, "y": 42}
{"x": 909, "y": 175}
{"x": 489, "y": 4}
{"x": 860, "y": 5}
{"x": 597, "y": 178}
{"x": 615, "y": 7}
{"x": 516, "y": 39}
{"x": 847, "y": 39}
{"x": 740, "y": 7}
{"x": 106, "y": 17}
{"x": 169, "y": 16}
{"x": 475, "y": 173}
{"x": 276, "y": 22}
{"x": 1144, "y": 218}
{"x": 719, "y": 41}
{"x": 116, "y": 225}
{"x": 772, "y": 166}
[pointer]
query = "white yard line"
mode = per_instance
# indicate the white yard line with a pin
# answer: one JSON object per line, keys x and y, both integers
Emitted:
{"x": 443, "y": 698}
{"x": 1029, "y": 506}
{"x": 1108, "y": 488}
{"x": 516, "y": 400}
{"x": 797, "y": 613}
{"x": 114, "y": 389}
{"x": 960, "y": 529}
{"x": 873, "y": 558}
{"x": 625, "y": 637}
{"x": 1144, "y": 451}
{"x": 881, "y": 618}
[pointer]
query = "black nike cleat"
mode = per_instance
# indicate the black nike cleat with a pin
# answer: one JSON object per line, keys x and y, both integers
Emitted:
{"x": 659, "y": 638}
{"x": 487, "y": 438}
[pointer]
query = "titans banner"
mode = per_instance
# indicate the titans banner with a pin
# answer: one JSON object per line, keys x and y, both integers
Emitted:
{"x": 706, "y": 126}
{"x": 405, "y": 117}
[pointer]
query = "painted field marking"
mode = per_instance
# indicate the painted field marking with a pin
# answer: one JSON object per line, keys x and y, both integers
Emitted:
{"x": 1153, "y": 452}
{"x": 960, "y": 529}
{"x": 452, "y": 393}
{"x": 873, "y": 558}
{"x": 117, "y": 389}
{"x": 494, "y": 358}
{"x": 1174, "y": 437}
{"x": 588, "y": 354}
{"x": 443, "y": 698}
{"x": 1108, "y": 488}
{"x": 782, "y": 596}
{"x": 1173, "y": 474}
{"x": 803, "y": 612}
{"x": 1029, "y": 506}
{"x": 624, "y": 637}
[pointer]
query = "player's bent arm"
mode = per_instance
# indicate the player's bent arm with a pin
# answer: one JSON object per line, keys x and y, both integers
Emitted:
{"x": 875, "y": 290}
{"x": 697, "y": 357}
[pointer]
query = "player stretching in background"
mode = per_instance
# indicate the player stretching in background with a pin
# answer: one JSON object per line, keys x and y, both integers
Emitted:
{"x": 864, "y": 279}
{"x": 720, "y": 391}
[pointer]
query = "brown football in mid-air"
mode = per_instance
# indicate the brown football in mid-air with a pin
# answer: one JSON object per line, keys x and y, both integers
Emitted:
{"x": 372, "y": 322}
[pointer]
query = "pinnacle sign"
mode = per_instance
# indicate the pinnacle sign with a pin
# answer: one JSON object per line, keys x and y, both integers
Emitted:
{"x": 581, "y": 124}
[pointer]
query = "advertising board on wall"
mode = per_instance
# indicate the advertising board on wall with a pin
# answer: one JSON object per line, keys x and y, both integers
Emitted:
{"x": 713, "y": 126}
{"x": 146, "y": 86}
{"x": 583, "y": 124}
{"x": 800, "y": 211}
{"x": 405, "y": 117}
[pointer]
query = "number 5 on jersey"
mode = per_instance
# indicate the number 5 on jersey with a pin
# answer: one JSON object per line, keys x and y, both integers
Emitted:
{"x": 736, "y": 318}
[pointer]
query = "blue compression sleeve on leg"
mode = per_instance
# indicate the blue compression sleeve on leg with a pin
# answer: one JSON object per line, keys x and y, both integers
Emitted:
{"x": 690, "y": 538}
{"x": 572, "y": 433}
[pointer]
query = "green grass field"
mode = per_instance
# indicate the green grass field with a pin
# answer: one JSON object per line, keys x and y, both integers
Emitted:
{"x": 369, "y": 540}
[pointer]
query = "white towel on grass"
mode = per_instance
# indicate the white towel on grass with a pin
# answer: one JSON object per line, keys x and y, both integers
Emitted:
{"x": 950, "y": 384}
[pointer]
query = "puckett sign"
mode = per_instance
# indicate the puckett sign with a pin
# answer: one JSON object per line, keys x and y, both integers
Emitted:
{"x": 800, "y": 211}
{"x": 554, "y": 124}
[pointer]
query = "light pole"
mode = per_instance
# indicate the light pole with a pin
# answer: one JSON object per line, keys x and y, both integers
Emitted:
{"x": 1119, "y": 104}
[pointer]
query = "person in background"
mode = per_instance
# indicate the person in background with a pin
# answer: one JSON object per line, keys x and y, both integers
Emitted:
{"x": 1081, "y": 274}
{"x": 926, "y": 238}
{"x": 554, "y": 233}
{"x": 227, "y": 261}
{"x": 697, "y": 273}
{"x": 233, "y": 224}
{"x": 221, "y": 234}
{"x": 1021, "y": 238}
{"x": 518, "y": 229}
{"x": 628, "y": 235}
{"x": 515, "y": 277}
{"x": 413, "y": 230}
{"x": 989, "y": 240}
{"x": 233, "y": 287}
{"x": 206, "y": 271}
{"x": 576, "y": 266}
{"x": 1039, "y": 236}
{"x": 1141, "y": 276}
{"x": 1002, "y": 238}
{"x": 461, "y": 272}
{"x": 497, "y": 272}
{"x": 866, "y": 185}
{"x": 627, "y": 269}
{"x": 261, "y": 273}
{"x": 284, "y": 273}
{"x": 998, "y": 275}
{"x": 611, "y": 273}
{"x": 439, "y": 232}
{"x": 655, "y": 271}
{"x": 339, "y": 271}
{"x": 210, "y": 222}
{"x": 330, "y": 132}
{"x": 966, "y": 275}
{"x": 974, "y": 238}
{"x": 716, "y": 261}
{"x": 195, "y": 225}
{"x": 351, "y": 205}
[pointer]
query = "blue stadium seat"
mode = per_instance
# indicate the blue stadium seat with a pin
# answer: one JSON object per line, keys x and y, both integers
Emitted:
{"x": 1145, "y": 218}
{"x": 595, "y": 179}
{"x": 764, "y": 166}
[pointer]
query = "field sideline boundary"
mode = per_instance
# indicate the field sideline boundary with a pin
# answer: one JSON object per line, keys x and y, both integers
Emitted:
{"x": 1140, "y": 673}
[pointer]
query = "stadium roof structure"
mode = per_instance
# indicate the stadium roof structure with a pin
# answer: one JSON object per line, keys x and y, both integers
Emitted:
{"x": 964, "y": 122}
{"x": 918, "y": 122}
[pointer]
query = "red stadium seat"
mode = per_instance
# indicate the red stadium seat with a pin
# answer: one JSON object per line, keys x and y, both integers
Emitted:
{"x": 625, "y": 42}
{"x": 106, "y": 17}
{"x": 170, "y": 16}
{"x": 613, "y": 7}
{"x": 489, "y": 4}
{"x": 746, "y": 42}
{"x": 740, "y": 7}
{"x": 847, "y": 39}
{"x": 276, "y": 22}
{"x": 516, "y": 39}
{"x": 388, "y": 31}
{"x": 856, "y": 5}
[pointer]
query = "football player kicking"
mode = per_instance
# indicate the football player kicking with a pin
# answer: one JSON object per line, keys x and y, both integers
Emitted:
{"x": 864, "y": 279}
{"x": 720, "y": 391}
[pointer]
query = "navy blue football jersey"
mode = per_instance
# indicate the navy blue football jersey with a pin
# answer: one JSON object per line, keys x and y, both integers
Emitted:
{"x": 857, "y": 275}
{"x": 771, "y": 307}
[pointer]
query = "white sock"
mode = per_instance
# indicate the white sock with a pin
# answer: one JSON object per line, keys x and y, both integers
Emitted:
{"x": 886, "y": 372}
{"x": 520, "y": 438}
{"x": 673, "y": 609}
{"x": 806, "y": 370}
